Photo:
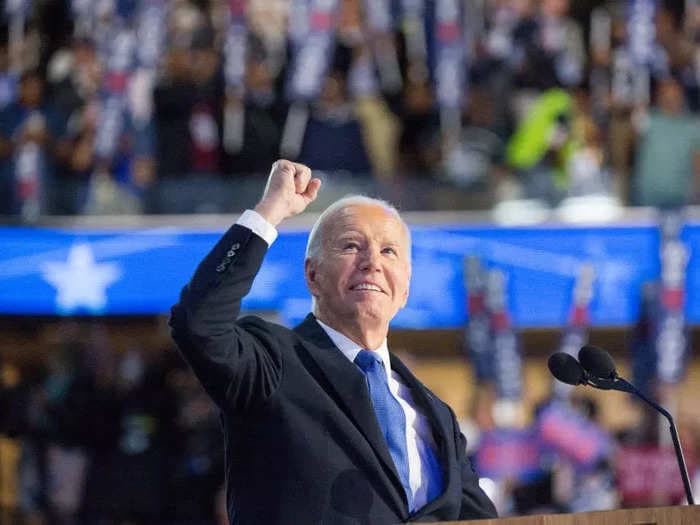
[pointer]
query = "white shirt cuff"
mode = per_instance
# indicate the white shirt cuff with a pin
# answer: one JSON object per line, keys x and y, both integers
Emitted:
{"x": 260, "y": 227}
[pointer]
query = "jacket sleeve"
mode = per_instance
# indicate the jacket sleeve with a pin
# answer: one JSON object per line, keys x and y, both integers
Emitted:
{"x": 237, "y": 362}
{"x": 475, "y": 503}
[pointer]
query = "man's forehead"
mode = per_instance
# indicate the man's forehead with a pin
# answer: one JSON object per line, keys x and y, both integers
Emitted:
{"x": 377, "y": 217}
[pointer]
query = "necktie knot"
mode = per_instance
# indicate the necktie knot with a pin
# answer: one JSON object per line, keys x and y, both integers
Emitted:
{"x": 367, "y": 360}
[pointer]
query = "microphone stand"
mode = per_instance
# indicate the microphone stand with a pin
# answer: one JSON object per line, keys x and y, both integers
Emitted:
{"x": 622, "y": 385}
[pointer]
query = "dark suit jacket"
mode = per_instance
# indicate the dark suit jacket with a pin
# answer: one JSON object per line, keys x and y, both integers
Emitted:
{"x": 302, "y": 440}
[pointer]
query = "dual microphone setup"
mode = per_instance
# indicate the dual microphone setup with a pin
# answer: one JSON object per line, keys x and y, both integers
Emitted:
{"x": 595, "y": 367}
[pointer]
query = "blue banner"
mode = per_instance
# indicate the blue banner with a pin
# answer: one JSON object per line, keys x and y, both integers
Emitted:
{"x": 89, "y": 271}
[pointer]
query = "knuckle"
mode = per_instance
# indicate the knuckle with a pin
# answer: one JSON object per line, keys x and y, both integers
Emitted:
{"x": 281, "y": 165}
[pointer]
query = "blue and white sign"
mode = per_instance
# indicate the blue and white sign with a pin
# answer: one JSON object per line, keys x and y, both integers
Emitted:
{"x": 641, "y": 30}
{"x": 106, "y": 272}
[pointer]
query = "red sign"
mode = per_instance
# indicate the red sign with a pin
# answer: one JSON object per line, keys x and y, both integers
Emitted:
{"x": 648, "y": 474}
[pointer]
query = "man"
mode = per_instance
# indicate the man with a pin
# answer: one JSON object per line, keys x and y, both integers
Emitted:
{"x": 667, "y": 167}
{"x": 321, "y": 423}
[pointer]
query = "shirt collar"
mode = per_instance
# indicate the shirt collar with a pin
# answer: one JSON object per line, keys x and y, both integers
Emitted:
{"x": 350, "y": 348}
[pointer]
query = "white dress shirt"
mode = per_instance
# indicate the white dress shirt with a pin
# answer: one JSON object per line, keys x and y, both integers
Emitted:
{"x": 425, "y": 475}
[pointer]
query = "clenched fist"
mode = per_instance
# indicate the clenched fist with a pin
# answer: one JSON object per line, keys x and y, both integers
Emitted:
{"x": 289, "y": 190}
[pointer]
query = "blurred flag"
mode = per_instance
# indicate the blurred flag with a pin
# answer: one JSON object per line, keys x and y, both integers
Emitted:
{"x": 507, "y": 361}
{"x": 18, "y": 7}
{"x": 29, "y": 168}
{"x": 671, "y": 332}
{"x": 641, "y": 29}
{"x": 311, "y": 56}
{"x": 450, "y": 68}
{"x": 642, "y": 340}
{"x": 478, "y": 345}
{"x": 235, "y": 57}
{"x": 151, "y": 29}
{"x": 118, "y": 55}
{"x": 413, "y": 27}
{"x": 380, "y": 24}
{"x": 575, "y": 335}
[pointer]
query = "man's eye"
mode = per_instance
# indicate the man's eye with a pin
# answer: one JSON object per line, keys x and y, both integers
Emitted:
{"x": 351, "y": 246}
{"x": 391, "y": 251}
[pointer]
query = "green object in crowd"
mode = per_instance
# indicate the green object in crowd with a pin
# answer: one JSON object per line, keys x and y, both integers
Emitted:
{"x": 530, "y": 142}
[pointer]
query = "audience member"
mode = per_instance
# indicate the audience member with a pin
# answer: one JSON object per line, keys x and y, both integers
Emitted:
{"x": 333, "y": 138}
{"x": 29, "y": 128}
{"x": 263, "y": 111}
{"x": 667, "y": 164}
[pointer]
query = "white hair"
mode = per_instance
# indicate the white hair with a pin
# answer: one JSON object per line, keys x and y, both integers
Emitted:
{"x": 315, "y": 242}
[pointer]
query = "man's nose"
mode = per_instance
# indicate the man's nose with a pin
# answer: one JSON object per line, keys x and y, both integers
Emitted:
{"x": 370, "y": 260}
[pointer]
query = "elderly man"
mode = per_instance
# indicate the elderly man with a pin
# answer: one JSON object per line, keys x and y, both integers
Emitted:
{"x": 322, "y": 424}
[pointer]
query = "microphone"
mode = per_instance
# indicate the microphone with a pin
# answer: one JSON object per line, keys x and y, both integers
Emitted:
{"x": 566, "y": 369}
{"x": 597, "y": 369}
{"x": 602, "y": 373}
{"x": 597, "y": 361}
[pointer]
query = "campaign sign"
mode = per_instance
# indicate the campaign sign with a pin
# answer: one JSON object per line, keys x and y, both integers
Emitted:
{"x": 649, "y": 473}
{"x": 566, "y": 432}
{"x": 509, "y": 454}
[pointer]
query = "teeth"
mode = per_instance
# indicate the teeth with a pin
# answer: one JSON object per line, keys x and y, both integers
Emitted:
{"x": 366, "y": 286}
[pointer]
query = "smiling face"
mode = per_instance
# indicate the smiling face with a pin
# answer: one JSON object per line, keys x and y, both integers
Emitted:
{"x": 361, "y": 276}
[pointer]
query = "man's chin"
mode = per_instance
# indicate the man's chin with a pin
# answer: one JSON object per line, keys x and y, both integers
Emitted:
{"x": 371, "y": 317}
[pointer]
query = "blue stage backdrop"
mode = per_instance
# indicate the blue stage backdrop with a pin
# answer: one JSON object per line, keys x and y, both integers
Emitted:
{"x": 112, "y": 272}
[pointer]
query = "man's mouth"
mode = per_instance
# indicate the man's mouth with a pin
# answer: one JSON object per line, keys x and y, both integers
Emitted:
{"x": 367, "y": 286}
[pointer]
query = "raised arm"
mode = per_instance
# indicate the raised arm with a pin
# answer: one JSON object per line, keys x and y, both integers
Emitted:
{"x": 238, "y": 365}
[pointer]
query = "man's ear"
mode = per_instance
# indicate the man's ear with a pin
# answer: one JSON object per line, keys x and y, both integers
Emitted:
{"x": 310, "y": 275}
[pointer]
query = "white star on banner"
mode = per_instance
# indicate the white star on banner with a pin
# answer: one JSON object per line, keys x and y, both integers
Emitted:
{"x": 80, "y": 282}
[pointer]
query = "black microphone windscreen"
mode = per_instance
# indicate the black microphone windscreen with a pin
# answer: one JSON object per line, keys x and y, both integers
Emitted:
{"x": 597, "y": 362}
{"x": 566, "y": 369}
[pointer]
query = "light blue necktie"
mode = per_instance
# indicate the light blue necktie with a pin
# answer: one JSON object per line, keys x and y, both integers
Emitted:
{"x": 390, "y": 415}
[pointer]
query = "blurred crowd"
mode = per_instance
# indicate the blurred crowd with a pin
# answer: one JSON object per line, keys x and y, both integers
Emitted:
{"x": 96, "y": 437}
{"x": 126, "y": 106}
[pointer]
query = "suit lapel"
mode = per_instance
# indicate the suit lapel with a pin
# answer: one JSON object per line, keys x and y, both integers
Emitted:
{"x": 350, "y": 388}
{"x": 440, "y": 422}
